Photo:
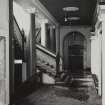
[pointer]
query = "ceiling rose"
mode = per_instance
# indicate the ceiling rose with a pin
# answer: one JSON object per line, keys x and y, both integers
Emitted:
{"x": 67, "y": 9}
{"x": 73, "y": 18}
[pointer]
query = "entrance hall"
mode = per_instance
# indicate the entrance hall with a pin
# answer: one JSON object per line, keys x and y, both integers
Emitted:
{"x": 52, "y": 52}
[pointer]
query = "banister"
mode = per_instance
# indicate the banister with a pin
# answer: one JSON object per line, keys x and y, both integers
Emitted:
{"x": 39, "y": 29}
{"x": 44, "y": 50}
{"x": 18, "y": 26}
{"x": 18, "y": 35}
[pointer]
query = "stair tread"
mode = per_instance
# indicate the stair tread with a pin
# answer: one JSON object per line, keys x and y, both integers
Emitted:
{"x": 83, "y": 79}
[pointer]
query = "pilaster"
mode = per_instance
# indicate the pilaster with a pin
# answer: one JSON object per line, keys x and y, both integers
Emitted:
{"x": 4, "y": 52}
{"x": 101, "y": 19}
{"x": 43, "y": 31}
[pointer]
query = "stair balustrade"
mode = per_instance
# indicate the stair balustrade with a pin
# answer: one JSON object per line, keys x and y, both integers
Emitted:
{"x": 17, "y": 33}
{"x": 46, "y": 63}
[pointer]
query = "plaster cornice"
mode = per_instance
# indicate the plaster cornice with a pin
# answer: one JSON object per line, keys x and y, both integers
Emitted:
{"x": 45, "y": 12}
{"x": 101, "y": 12}
{"x": 36, "y": 4}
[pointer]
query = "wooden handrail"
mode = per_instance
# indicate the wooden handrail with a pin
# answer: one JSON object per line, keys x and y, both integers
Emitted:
{"x": 39, "y": 29}
{"x": 46, "y": 51}
{"x": 38, "y": 46}
{"x": 19, "y": 36}
{"x": 18, "y": 26}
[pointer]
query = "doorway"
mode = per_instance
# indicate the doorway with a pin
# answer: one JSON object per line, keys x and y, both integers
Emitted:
{"x": 75, "y": 59}
{"x": 74, "y": 45}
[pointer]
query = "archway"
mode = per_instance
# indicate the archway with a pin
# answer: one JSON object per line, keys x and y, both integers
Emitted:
{"x": 73, "y": 52}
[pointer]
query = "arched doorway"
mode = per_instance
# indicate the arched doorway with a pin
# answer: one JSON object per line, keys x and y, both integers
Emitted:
{"x": 73, "y": 50}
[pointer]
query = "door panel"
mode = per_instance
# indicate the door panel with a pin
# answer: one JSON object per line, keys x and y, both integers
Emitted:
{"x": 74, "y": 45}
{"x": 76, "y": 64}
{"x": 76, "y": 58}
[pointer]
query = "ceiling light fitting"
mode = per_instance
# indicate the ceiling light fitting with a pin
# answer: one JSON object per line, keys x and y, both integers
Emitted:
{"x": 69, "y": 9}
{"x": 73, "y": 18}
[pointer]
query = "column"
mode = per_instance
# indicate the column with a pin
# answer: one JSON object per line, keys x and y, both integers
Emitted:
{"x": 93, "y": 55}
{"x": 57, "y": 50}
{"x": 52, "y": 38}
{"x": 96, "y": 58}
{"x": 43, "y": 32}
{"x": 4, "y": 52}
{"x": 32, "y": 42}
{"x": 100, "y": 63}
{"x": 101, "y": 18}
{"x": 57, "y": 39}
{"x": 103, "y": 62}
{"x": 11, "y": 51}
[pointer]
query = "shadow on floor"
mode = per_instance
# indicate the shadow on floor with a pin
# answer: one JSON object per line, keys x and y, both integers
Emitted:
{"x": 72, "y": 93}
{"x": 26, "y": 89}
{"x": 58, "y": 95}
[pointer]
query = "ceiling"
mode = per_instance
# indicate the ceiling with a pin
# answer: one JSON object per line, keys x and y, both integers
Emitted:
{"x": 85, "y": 12}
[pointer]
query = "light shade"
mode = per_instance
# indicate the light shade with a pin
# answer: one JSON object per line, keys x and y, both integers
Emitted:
{"x": 73, "y": 18}
{"x": 69, "y": 9}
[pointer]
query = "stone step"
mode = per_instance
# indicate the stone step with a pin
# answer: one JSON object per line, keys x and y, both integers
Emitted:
{"x": 60, "y": 83}
{"x": 68, "y": 79}
{"x": 83, "y": 79}
{"x": 82, "y": 89}
{"x": 87, "y": 83}
{"x": 82, "y": 76}
{"x": 76, "y": 83}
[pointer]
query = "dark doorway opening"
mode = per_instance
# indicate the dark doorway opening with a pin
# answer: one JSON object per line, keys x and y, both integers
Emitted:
{"x": 75, "y": 59}
{"x": 73, "y": 50}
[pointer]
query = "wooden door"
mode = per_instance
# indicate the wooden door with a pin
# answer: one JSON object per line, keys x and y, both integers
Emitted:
{"x": 76, "y": 59}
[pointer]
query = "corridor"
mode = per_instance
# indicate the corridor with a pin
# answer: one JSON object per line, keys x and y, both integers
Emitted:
{"x": 52, "y": 52}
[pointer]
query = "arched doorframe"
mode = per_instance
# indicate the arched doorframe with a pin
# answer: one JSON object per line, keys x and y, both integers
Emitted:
{"x": 65, "y": 48}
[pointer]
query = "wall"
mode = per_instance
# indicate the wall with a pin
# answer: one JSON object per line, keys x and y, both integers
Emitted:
{"x": 4, "y": 71}
{"x": 85, "y": 30}
{"x": 26, "y": 20}
{"x": 22, "y": 17}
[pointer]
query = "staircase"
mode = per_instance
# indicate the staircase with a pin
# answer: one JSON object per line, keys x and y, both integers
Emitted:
{"x": 81, "y": 86}
{"x": 82, "y": 82}
{"x": 46, "y": 65}
{"x": 76, "y": 82}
